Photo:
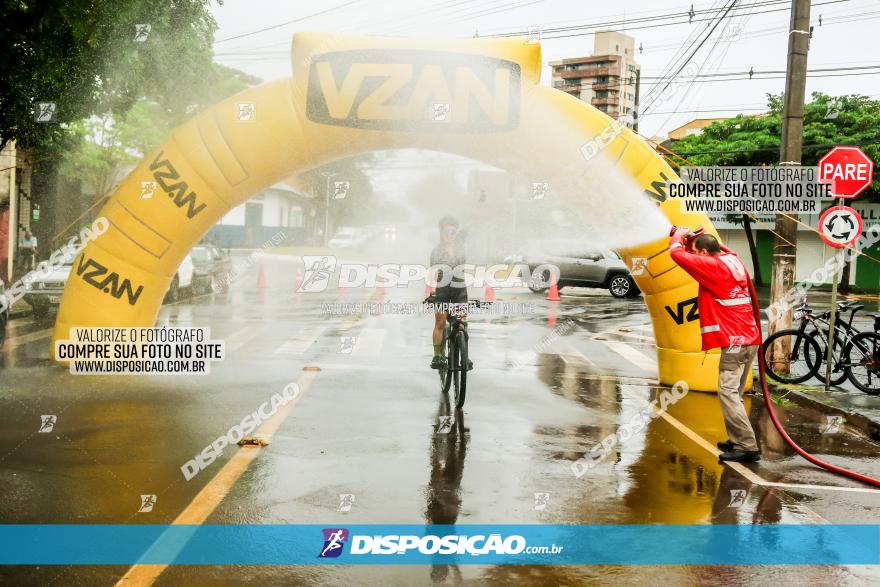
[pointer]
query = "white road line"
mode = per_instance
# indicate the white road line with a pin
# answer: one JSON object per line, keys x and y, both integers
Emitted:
{"x": 638, "y": 359}
{"x": 369, "y": 342}
{"x": 570, "y": 355}
{"x": 748, "y": 473}
{"x": 633, "y": 355}
{"x": 301, "y": 342}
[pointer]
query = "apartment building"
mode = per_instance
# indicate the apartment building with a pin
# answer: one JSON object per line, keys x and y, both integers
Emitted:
{"x": 607, "y": 79}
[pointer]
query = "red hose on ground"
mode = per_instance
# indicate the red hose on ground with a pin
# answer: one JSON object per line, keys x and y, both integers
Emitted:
{"x": 769, "y": 403}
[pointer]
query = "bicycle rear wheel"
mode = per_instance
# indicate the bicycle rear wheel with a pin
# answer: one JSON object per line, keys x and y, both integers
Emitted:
{"x": 862, "y": 360}
{"x": 838, "y": 369}
{"x": 801, "y": 361}
{"x": 459, "y": 368}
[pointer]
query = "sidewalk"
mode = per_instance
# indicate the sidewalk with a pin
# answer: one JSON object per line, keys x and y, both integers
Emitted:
{"x": 859, "y": 410}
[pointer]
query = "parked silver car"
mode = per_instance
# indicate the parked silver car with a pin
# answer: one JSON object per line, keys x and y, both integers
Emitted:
{"x": 603, "y": 269}
{"x": 44, "y": 291}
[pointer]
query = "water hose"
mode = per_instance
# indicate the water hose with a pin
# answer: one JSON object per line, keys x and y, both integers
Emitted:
{"x": 756, "y": 310}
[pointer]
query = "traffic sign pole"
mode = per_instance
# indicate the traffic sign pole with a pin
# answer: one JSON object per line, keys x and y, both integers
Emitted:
{"x": 831, "y": 319}
{"x": 849, "y": 171}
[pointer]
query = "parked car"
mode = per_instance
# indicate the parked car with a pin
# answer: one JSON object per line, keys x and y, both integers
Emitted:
{"x": 344, "y": 239}
{"x": 44, "y": 292}
{"x": 210, "y": 265}
{"x": 182, "y": 281}
{"x": 4, "y": 314}
{"x": 602, "y": 268}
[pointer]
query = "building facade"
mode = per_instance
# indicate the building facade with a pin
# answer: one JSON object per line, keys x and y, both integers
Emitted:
{"x": 607, "y": 80}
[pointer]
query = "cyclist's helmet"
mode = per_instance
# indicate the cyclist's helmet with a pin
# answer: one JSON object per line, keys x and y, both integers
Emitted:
{"x": 448, "y": 221}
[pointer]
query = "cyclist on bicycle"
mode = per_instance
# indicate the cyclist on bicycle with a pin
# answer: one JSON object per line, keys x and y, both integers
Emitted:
{"x": 450, "y": 289}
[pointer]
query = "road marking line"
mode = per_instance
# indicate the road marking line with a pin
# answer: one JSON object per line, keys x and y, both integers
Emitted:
{"x": 748, "y": 473}
{"x": 207, "y": 500}
{"x": 26, "y": 338}
{"x": 638, "y": 359}
{"x": 627, "y": 351}
{"x": 573, "y": 356}
{"x": 241, "y": 337}
{"x": 300, "y": 343}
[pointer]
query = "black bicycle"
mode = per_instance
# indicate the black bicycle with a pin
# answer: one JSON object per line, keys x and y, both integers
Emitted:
{"x": 455, "y": 348}
{"x": 855, "y": 355}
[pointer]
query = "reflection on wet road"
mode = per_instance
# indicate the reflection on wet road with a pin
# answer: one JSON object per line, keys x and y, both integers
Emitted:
{"x": 374, "y": 441}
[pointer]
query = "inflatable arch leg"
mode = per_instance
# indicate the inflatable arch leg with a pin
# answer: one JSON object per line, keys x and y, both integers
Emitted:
{"x": 351, "y": 95}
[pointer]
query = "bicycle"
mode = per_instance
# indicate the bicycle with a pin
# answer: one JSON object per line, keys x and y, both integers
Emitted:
{"x": 455, "y": 348}
{"x": 852, "y": 351}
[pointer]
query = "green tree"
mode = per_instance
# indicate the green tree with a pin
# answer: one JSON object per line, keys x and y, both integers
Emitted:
{"x": 86, "y": 58}
{"x": 754, "y": 139}
{"x": 104, "y": 146}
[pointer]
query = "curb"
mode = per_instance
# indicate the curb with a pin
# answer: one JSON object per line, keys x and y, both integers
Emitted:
{"x": 862, "y": 423}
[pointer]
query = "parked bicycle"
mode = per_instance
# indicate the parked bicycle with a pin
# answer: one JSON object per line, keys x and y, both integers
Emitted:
{"x": 455, "y": 349}
{"x": 855, "y": 354}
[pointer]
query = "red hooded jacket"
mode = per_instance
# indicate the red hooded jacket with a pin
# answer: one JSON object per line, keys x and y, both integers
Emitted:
{"x": 724, "y": 302}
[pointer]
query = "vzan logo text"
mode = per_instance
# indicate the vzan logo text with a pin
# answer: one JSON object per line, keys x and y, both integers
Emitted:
{"x": 399, "y": 89}
{"x": 679, "y": 316}
{"x": 90, "y": 270}
{"x": 164, "y": 170}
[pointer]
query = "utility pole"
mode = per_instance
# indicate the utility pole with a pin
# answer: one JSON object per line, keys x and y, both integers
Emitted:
{"x": 327, "y": 175}
{"x": 784, "y": 249}
{"x": 636, "y": 105}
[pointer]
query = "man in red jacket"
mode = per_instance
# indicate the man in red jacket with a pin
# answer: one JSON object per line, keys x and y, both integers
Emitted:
{"x": 726, "y": 322}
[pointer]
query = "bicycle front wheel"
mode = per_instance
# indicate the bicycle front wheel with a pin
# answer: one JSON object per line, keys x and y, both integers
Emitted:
{"x": 445, "y": 373}
{"x": 799, "y": 360}
{"x": 459, "y": 368}
{"x": 862, "y": 360}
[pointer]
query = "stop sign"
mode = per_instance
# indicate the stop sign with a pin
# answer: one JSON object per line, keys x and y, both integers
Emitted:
{"x": 848, "y": 170}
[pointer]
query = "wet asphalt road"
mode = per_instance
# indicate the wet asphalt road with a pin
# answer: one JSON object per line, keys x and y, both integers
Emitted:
{"x": 368, "y": 427}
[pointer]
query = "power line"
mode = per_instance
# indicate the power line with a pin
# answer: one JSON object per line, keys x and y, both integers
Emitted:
{"x": 737, "y": 79}
{"x": 775, "y": 71}
{"x": 659, "y": 25}
{"x": 279, "y": 25}
{"x": 627, "y": 23}
{"x": 652, "y": 100}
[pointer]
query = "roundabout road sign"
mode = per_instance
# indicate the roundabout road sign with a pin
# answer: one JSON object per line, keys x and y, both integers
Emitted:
{"x": 840, "y": 226}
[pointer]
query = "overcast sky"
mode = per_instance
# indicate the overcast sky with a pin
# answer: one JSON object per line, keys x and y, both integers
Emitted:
{"x": 755, "y": 38}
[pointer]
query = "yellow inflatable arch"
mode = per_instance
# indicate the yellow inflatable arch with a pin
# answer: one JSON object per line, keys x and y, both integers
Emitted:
{"x": 333, "y": 107}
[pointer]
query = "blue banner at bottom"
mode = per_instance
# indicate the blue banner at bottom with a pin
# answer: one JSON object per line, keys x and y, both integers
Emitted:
{"x": 84, "y": 544}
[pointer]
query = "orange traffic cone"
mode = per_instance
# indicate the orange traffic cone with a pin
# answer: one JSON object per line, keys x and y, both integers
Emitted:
{"x": 261, "y": 277}
{"x": 553, "y": 292}
{"x": 489, "y": 294}
{"x": 298, "y": 282}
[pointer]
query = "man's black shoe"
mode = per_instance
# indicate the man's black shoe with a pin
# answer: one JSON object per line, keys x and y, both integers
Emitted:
{"x": 438, "y": 362}
{"x": 741, "y": 456}
{"x": 725, "y": 446}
